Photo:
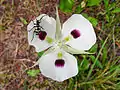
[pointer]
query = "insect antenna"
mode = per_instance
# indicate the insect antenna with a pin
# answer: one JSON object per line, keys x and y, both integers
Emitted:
{"x": 42, "y": 18}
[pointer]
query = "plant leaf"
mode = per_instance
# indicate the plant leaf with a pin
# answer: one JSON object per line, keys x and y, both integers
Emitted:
{"x": 33, "y": 72}
{"x": 84, "y": 64}
{"x": 93, "y": 20}
{"x": 23, "y": 21}
{"x": 106, "y": 3}
{"x": 116, "y": 10}
{"x": 66, "y": 5}
{"x": 78, "y": 9}
{"x": 92, "y": 67}
{"x": 104, "y": 56}
{"x": 94, "y": 48}
{"x": 93, "y": 2}
{"x": 40, "y": 53}
{"x": 98, "y": 63}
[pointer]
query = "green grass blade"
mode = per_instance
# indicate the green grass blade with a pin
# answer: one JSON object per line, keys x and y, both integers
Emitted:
{"x": 89, "y": 74}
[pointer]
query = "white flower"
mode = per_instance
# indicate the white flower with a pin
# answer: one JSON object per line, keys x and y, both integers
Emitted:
{"x": 75, "y": 36}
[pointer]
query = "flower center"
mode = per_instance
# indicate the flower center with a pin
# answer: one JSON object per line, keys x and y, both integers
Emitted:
{"x": 58, "y": 44}
{"x": 75, "y": 33}
{"x": 42, "y": 35}
{"x": 59, "y": 63}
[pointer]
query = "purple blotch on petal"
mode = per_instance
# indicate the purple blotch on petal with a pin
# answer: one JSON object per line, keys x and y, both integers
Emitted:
{"x": 75, "y": 33}
{"x": 59, "y": 63}
{"x": 42, "y": 35}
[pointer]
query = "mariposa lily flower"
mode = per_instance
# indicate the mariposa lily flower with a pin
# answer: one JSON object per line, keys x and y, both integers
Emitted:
{"x": 74, "y": 37}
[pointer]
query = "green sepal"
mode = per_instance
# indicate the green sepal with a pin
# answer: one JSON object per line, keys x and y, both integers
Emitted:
{"x": 58, "y": 26}
{"x": 74, "y": 51}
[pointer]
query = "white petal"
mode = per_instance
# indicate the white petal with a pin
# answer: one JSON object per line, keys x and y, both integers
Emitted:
{"x": 49, "y": 25}
{"x": 87, "y": 36}
{"x": 48, "y": 68}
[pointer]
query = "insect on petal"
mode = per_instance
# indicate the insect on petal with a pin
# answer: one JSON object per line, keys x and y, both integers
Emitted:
{"x": 41, "y": 32}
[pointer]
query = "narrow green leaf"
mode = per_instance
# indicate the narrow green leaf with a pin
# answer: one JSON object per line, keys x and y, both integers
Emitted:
{"x": 92, "y": 67}
{"x": 106, "y": 3}
{"x": 118, "y": 85}
{"x": 78, "y": 9}
{"x": 2, "y": 28}
{"x": 85, "y": 15}
{"x": 85, "y": 63}
{"x": 111, "y": 6}
{"x": 25, "y": 86}
{"x": 113, "y": 68}
{"x": 40, "y": 53}
{"x": 93, "y": 2}
{"x": 23, "y": 21}
{"x": 94, "y": 48}
{"x": 98, "y": 63}
{"x": 66, "y": 5}
{"x": 93, "y": 20}
{"x": 70, "y": 84}
{"x": 116, "y": 10}
{"x": 104, "y": 56}
{"x": 107, "y": 17}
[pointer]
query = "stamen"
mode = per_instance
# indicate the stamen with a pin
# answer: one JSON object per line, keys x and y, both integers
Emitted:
{"x": 59, "y": 55}
{"x": 68, "y": 38}
{"x": 75, "y": 33}
{"x": 42, "y": 35}
{"x": 49, "y": 40}
{"x": 59, "y": 63}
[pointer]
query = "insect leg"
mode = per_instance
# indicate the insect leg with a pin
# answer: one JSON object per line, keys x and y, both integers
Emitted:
{"x": 32, "y": 37}
{"x": 41, "y": 27}
{"x": 32, "y": 27}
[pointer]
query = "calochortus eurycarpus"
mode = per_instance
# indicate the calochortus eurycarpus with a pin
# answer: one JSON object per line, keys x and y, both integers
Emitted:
{"x": 75, "y": 36}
